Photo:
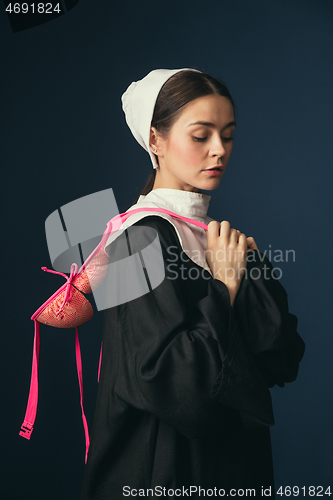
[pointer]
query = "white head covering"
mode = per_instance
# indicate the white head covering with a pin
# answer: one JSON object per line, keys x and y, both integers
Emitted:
{"x": 139, "y": 102}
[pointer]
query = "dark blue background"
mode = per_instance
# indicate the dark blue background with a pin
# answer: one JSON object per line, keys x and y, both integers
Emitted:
{"x": 63, "y": 136}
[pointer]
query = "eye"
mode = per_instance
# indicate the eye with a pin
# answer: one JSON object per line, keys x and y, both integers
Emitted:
{"x": 224, "y": 139}
{"x": 199, "y": 139}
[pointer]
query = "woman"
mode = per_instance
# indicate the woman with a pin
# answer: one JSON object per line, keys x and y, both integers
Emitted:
{"x": 183, "y": 400}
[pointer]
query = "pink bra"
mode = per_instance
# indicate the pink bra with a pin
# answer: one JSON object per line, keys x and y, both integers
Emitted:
{"x": 68, "y": 308}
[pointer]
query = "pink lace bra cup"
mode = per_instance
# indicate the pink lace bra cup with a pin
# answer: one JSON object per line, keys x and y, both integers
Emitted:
{"x": 69, "y": 308}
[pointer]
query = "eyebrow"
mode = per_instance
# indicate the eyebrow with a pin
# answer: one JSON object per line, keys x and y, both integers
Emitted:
{"x": 212, "y": 125}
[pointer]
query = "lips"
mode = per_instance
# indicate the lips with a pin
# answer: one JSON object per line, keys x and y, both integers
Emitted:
{"x": 215, "y": 168}
{"x": 214, "y": 171}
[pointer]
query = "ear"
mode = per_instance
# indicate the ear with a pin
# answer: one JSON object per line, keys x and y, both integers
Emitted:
{"x": 155, "y": 142}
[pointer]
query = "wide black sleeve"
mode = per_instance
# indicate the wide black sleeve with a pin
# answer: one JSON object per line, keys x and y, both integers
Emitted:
{"x": 183, "y": 362}
{"x": 267, "y": 327}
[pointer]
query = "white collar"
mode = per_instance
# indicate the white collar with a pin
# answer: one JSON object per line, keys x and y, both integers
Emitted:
{"x": 193, "y": 205}
{"x": 186, "y": 203}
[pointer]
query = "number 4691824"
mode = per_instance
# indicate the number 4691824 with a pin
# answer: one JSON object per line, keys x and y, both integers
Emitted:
{"x": 40, "y": 8}
{"x": 311, "y": 491}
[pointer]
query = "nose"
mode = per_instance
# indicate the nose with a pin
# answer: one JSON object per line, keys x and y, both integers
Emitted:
{"x": 217, "y": 146}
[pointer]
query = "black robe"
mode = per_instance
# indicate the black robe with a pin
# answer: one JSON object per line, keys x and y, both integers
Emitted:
{"x": 183, "y": 398}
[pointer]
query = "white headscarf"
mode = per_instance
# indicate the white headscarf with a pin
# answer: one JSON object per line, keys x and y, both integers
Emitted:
{"x": 139, "y": 102}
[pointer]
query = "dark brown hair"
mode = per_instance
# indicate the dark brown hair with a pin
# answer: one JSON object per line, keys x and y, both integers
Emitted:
{"x": 180, "y": 89}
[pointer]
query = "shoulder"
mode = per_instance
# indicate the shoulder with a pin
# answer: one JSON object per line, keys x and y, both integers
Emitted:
{"x": 155, "y": 230}
{"x": 141, "y": 234}
{"x": 162, "y": 227}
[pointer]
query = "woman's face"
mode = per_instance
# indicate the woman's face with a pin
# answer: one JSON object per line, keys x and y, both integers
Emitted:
{"x": 195, "y": 153}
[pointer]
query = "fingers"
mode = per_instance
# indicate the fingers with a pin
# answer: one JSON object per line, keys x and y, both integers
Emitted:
{"x": 251, "y": 244}
{"x": 228, "y": 266}
{"x": 213, "y": 232}
{"x": 242, "y": 241}
{"x": 224, "y": 232}
{"x": 229, "y": 236}
{"x": 233, "y": 237}
{"x": 213, "y": 228}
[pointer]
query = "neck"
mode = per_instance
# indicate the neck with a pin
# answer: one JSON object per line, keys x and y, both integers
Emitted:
{"x": 161, "y": 182}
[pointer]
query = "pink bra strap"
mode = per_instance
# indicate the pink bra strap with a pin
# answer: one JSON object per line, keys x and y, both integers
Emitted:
{"x": 69, "y": 279}
{"x": 118, "y": 220}
{"x": 114, "y": 225}
{"x": 30, "y": 414}
{"x": 79, "y": 374}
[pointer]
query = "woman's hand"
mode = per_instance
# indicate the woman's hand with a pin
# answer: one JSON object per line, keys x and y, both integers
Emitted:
{"x": 251, "y": 244}
{"x": 226, "y": 254}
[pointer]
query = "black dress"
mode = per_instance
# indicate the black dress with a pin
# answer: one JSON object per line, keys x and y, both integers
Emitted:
{"x": 183, "y": 400}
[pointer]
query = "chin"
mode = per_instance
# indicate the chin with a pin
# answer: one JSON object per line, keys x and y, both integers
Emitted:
{"x": 202, "y": 184}
{"x": 210, "y": 185}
